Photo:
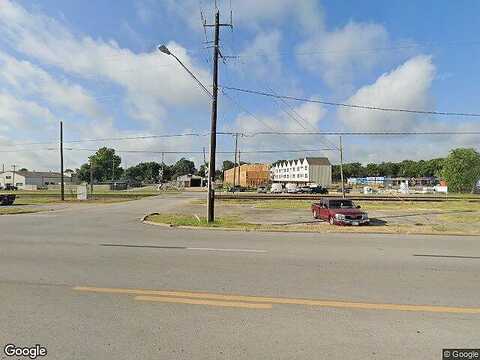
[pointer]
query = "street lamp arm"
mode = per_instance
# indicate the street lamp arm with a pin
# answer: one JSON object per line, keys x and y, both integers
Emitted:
{"x": 165, "y": 50}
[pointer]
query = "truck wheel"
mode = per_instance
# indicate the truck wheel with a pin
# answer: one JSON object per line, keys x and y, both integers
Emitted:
{"x": 331, "y": 221}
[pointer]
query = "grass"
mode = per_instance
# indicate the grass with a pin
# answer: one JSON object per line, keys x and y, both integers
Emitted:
{"x": 236, "y": 224}
{"x": 460, "y": 205}
{"x": 200, "y": 221}
{"x": 12, "y": 210}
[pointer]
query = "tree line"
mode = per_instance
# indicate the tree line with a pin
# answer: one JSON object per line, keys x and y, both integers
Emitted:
{"x": 461, "y": 169}
{"x": 104, "y": 166}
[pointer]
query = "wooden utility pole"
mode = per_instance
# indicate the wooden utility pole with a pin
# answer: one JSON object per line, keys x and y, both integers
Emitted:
{"x": 62, "y": 178}
{"x": 235, "y": 161}
{"x": 91, "y": 178}
{"x": 14, "y": 166}
{"x": 341, "y": 167}
{"x": 239, "y": 180}
{"x": 213, "y": 125}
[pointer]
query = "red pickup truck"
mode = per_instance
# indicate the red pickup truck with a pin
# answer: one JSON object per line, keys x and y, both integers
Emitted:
{"x": 339, "y": 212}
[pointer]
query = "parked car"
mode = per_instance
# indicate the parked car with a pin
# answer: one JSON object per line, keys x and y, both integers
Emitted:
{"x": 262, "y": 190}
{"x": 339, "y": 212}
{"x": 6, "y": 200}
{"x": 305, "y": 190}
{"x": 292, "y": 188}
{"x": 276, "y": 188}
{"x": 318, "y": 190}
{"x": 236, "y": 188}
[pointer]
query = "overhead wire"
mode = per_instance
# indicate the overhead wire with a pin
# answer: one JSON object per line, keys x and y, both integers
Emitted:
{"x": 355, "y": 106}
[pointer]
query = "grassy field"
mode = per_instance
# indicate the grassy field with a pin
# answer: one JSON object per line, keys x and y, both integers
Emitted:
{"x": 200, "y": 221}
{"x": 460, "y": 205}
{"x": 460, "y": 217}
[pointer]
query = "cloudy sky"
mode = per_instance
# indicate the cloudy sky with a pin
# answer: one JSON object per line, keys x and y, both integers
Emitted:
{"x": 95, "y": 67}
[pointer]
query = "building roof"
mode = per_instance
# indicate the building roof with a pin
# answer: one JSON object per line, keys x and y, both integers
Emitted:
{"x": 37, "y": 173}
{"x": 318, "y": 161}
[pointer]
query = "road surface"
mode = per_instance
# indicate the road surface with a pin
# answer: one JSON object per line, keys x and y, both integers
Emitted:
{"x": 92, "y": 282}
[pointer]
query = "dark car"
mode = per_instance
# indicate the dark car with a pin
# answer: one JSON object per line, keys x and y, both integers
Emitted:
{"x": 6, "y": 200}
{"x": 339, "y": 212}
{"x": 319, "y": 190}
{"x": 236, "y": 188}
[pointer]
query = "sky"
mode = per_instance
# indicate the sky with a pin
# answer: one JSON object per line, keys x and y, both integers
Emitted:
{"x": 96, "y": 67}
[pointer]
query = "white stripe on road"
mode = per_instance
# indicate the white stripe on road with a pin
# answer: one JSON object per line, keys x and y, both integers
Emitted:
{"x": 227, "y": 250}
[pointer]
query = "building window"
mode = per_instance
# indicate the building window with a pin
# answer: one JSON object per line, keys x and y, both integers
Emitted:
{"x": 8, "y": 177}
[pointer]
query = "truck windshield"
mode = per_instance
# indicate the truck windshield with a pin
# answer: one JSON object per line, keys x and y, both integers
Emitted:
{"x": 341, "y": 204}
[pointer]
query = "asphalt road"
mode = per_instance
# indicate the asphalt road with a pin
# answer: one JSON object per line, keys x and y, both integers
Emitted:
{"x": 79, "y": 281}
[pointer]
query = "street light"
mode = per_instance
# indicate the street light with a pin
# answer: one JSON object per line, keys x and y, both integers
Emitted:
{"x": 165, "y": 50}
{"x": 213, "y": 131}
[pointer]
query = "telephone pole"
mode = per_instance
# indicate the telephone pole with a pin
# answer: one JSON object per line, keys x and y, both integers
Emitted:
{"x": 213, "y": 125}
{"x": 214, "y": 97}
{"x": 62, "y": 179}
{"x": 235, "y": 160}
{"x": 239, "y": 166}
{"x": 14, "y": 166}
{"x": 341, "y": 167}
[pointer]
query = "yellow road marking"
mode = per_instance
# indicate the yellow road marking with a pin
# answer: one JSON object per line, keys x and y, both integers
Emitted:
{"x": 204, "y": 302}
{"x": 285, "y": 301}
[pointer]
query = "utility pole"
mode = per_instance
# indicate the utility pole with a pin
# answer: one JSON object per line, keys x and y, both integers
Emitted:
{"x": 341, "y": 167}
{"x": 163, "y": 167}
{"x": 91, "y": 178}
{"x": 239, "y": 166}
{"x": 213, "y": 126}
{"x": 13, "y": 177}
{"x": 62, "y": 179}
{"x": 235, "y": 160}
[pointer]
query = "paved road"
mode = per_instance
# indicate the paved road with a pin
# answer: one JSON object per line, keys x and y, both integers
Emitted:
{"x": 80, "y": 281}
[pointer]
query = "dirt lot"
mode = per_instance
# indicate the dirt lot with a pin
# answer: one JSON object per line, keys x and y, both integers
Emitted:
{"x": 452, "y": 217}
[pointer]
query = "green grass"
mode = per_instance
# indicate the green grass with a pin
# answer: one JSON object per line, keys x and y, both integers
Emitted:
{"x": 460, "y": 205}
{"x": 192, "y": 220}
{"x": 11, "y": 210}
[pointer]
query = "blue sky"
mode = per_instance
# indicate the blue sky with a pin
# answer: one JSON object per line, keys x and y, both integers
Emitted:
{"x": 96, "y": 68}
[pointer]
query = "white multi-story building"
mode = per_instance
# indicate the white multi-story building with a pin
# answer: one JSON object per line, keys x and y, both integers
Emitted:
{"x": 309, "y": 170}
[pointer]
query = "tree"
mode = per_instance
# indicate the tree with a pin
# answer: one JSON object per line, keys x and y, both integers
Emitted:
{"x": 105, "y": 166}
{"x": 146, "y": 172}
{"x": 23, "y": 169}
{"x": 183, "y": 167}
{"x": 227, "y": 165}
{"x": 461, "y": 169}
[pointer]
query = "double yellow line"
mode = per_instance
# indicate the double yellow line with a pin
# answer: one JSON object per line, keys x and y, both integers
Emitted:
{"x": 260, "y": 302}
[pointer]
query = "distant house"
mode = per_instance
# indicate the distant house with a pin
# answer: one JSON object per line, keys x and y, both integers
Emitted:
{"x": 191, "y": 181}
{"x": 247, "y": 175}
{"x": 309, "y": 170}
{"x": 30, "y": 180}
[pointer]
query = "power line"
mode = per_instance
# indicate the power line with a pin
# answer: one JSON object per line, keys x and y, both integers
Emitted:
{"x": 366, "y": 133}
{"x": 355, "y": 106}
{"x": 353, "y": 51}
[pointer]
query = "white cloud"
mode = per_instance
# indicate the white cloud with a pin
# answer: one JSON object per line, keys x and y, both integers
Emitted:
{"x": 152, "y": 77}
{"x": 262, "y": 60}
{"x": 338, "y": 55}
{"x": 23, "y": 115}
{"x": 30, "y": 79}
{"x": 406, "y": 87}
